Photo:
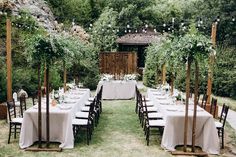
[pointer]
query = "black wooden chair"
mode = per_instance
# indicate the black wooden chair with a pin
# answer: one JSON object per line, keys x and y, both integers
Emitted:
{"x": 204, "y": 101}
{"x": 213, "y": 107}
{"x": 35, "y": 98}
{"x": 15, "y": 120}
{"x": 85, "y": 123}
{"x": 23, "y": 105}
{"x": 151, "y": 123}
{"x": 221, "y": 123}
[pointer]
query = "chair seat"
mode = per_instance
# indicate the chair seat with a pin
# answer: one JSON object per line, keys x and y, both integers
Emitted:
{"x": 17, "y": 103}
{"x": 155, "y": 115}
{"x": 85, "y": 109}
{"x": 218, "y": 124}
{"x": 156, "y": 123}
{"x": 151, "y": 109}
{"x": 149, "y": 104}
{"x": 91, "y": 99}
{"x": 88, "y": 103}
{"x": 82, "y": 115}
{"x": 17, "y": 120}
{"x": 79, "y": 121}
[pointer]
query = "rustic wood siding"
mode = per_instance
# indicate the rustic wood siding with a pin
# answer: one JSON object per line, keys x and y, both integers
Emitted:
{"x": 118, "y": 62}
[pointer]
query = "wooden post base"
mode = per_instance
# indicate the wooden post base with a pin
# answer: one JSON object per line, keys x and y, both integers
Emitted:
{"x": 189, "y": 153}
{"x": 44, "y": 149}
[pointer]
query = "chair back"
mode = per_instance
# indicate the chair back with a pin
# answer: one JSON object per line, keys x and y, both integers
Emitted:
{"x": 204, "y": 101}
{"x": 213, "y": 106}
{"x": 223, "y": 115}
{"x": 35, "y": 98}
{"x": 11, "y": 109}
{"x": 145, "y": 111}
{"x": 22, "y": 104}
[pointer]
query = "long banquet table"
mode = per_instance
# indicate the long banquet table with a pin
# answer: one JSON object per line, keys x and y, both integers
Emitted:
{"x": 174, "y": 114}
{"x": 60, "y": 120}
{"x": 117, "y": 89}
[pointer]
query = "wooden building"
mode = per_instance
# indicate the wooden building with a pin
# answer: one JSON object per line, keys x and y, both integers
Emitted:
{"x": 138, "y": 42}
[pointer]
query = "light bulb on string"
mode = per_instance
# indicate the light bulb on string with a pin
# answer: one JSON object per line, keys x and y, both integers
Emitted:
{"x": 129, "y": 31}
{"x": 91, "y": 25}
{"x": 128, "y": 26}
{"x": 117, "y": 30}
{"x": 164, "y": 25}
{"x": 155, "y": 30}
{"x": 233, "y": 19}
{"x": 125, "y": 31}
{"x": 218, "y": 19}
{"x": 136, "y": 31}
{"x": 169, "y": 29}
{"x": 109, "y": 25}
{"x": 173, "y": 20}
{"x": 146, "y": 26}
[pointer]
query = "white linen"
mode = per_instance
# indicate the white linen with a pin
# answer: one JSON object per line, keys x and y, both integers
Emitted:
{"x": 173, "y": 135}
{"x": 60, "y": 122}
{"x": 117, "y": 89}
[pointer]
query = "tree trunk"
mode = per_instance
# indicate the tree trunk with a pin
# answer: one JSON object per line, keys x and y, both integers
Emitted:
{"x": 195, "y": 105}
{"x": 186, "y": 105}
{"x": 47, "y": 108}
{"x": 64, "y": 76}
{"x": 39, "y": 108}
{"x": 163, "y": 71}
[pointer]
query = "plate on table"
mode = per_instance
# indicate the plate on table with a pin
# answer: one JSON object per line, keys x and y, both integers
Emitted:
{"x": 70, "y": 101}
{"x": 171, "y": 109}
{"x": 64, "y": 107}
{"x": 36, "y": 107}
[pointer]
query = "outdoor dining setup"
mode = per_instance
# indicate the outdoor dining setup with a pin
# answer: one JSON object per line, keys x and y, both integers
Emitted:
{"x": 161, "y": 110}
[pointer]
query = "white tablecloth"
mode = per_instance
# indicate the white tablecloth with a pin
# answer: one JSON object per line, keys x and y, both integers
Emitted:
{"x": 173, "y": 135}
{"x": 60, "y": 121}
{"x": 117, "y": 89}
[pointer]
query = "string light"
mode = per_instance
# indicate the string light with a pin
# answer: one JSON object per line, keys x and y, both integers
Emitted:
{"x": 233, "y": 19}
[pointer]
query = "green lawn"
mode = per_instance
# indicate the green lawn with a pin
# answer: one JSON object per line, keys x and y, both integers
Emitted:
{"x": 118, "y": 134}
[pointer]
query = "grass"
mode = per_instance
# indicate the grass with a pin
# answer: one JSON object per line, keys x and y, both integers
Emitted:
{"x": 118, "y": 134}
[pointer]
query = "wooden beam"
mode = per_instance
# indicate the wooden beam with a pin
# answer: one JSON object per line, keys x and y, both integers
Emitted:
{"x": 211, "y": 62}
{"x": 39, "y": 108}
{"x": 195, "y": 105}
{"x": 186, "y": 105}
{"x": 47, "y": 109}
{"x": 44, "y": 149}
{"x": 64, "y": 76}
{"x": 189, "y": 153}
{"x": 9, "y": 61}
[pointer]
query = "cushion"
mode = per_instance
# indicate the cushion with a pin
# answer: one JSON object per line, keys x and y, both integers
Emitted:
{"x": 17, "y": 120}
{"x": 85, "y": 108}
{"x": 155, "y": 115}
{"x": 79, "y": 121}
{"x": 218, "y": 124}
{"x": 82, "y": 115}
{"x": 157, "y": 123}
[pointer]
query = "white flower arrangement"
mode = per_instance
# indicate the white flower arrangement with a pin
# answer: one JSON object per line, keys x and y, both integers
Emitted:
{"x": 130, "y": 77}
{"x": 107, "y": 77}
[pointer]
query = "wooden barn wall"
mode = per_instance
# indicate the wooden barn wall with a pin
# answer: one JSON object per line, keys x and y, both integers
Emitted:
{"x": 118, "y": 62}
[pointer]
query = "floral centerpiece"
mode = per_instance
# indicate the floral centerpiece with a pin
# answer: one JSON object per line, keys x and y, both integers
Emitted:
{"x": 107, "y": 77}
{"x": 130, "y": 77}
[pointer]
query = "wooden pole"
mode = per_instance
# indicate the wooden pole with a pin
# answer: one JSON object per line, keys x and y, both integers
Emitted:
{"x": 39, "y": 108}
{"x": 9, "y": 61}
{"x": 64, "y": 85}
{"x": 47, "y": 108}
{"x": 186, "y": 105}
{"x": 211, "y": 62}
{"x": 44, "y": 80}
{"x": 172, "y": 84}
{"x": 163, "y": 80}
{"x": 195, "y": 105}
